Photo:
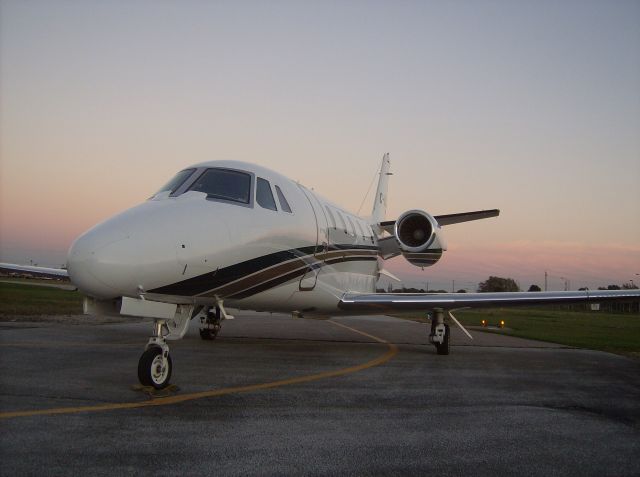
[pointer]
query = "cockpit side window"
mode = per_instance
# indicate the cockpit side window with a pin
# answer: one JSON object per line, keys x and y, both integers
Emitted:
{"x": 264, "y": 196}
{"x": 175, "y": 183}
{"x": 224, "y": 184}
{"x": 284, "y": 205}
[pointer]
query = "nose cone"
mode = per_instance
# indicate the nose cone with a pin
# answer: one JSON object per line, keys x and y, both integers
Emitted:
{"x": 111, "y": 259}
{"x": 95, "y": 260}
{"x": 153, "y": 245}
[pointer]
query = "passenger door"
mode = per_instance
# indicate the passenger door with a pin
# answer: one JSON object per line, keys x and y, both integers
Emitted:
{"x": 310, "y": 278}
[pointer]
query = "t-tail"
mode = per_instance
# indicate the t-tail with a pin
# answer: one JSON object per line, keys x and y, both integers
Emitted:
{"x": 415, "y": 234}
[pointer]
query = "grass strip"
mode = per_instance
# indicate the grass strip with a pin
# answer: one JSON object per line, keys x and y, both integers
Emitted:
{"x": 613, "y": 332}
{"x": 18, "y": 299}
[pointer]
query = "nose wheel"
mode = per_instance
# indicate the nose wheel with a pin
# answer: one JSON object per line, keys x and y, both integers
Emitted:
{"x": 154, "y": 366}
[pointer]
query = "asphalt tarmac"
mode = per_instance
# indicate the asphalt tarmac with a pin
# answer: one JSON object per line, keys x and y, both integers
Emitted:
{"x": 278, "y": 396}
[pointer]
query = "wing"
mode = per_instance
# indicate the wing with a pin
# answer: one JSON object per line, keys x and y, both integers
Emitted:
{"x": 388, "y": 302}
{"x": 34, "y": 271}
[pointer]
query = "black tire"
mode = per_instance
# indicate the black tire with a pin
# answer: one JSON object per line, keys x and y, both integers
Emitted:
{"x": 443, "y": 348}
{"x": 150, "y": 371}
{"x": 208, "y": 334}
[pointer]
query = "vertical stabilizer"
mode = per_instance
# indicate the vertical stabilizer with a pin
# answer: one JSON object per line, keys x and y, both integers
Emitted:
{"x": 379, "y": 211}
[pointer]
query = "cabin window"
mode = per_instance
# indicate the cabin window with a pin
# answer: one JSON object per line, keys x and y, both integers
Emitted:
{"x": 264, "y": 196}
{"x": 224, "y": 184}
{"x": 331, "y": 217}
{"x": 284, "y": 205}
{"x": 342, "y": 222}
{"x": 366, "y": 229}
{"x": 353, "y": 229}
{"x": 369, "y": 232}
{"x": 175, "y": 183}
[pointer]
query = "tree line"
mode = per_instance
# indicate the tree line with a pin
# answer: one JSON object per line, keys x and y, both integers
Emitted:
{"x": 501, "y": 284}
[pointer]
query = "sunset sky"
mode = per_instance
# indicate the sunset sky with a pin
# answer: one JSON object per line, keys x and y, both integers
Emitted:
{"x": 530, "y": 107}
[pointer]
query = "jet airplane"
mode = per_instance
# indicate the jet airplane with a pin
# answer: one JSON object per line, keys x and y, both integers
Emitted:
{"x": 228, "y": 234}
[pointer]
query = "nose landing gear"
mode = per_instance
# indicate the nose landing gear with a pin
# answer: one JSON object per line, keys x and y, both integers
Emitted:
{"x": 154, "y": 367}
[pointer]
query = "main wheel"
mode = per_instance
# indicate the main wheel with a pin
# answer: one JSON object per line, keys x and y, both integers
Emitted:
{"x": 443, "y": 348}
{"x": 209, "y": 333}
{"x": 153, "y": 369}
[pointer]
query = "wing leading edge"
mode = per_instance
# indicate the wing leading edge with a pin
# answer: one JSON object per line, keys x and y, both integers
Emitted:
{"x": 388, "y": 302}
{"x": 35, "y": 271}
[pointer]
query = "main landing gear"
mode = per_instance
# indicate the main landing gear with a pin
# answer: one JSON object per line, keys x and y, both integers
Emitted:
{"x": 211, "y": 322}
{"x": 440, "y": 333}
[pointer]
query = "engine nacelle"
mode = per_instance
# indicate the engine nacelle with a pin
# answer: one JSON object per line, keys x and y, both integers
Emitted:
{"x": 420, "y": 238}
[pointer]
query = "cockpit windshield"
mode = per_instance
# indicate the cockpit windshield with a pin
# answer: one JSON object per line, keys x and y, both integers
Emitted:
{"x": 176, "y": 182}
{"x": 224, "y": 184}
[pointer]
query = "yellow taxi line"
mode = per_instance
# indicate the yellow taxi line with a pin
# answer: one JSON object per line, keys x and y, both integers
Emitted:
{"x": 391, "y": 352}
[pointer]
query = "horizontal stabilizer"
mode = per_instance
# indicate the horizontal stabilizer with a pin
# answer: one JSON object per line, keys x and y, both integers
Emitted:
{"x": 449, "y": 219}
{"x": 466, "y": 216}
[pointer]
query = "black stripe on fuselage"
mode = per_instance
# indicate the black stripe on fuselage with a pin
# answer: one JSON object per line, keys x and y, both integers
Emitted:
{"x": 208, "y": 281}
{"x": 295, "y": 275}
{"x": 352, "y": 247}
{"x": 213, "y": 280}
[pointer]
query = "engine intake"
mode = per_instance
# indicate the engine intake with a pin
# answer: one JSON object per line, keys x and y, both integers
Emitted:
{"x": 419, "y": 237}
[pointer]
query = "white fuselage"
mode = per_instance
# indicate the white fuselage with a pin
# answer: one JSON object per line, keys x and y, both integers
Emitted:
{"x": 189, "y": 247}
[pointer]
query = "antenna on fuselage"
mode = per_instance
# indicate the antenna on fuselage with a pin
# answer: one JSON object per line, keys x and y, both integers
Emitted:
{"x": 364, "y": 199}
